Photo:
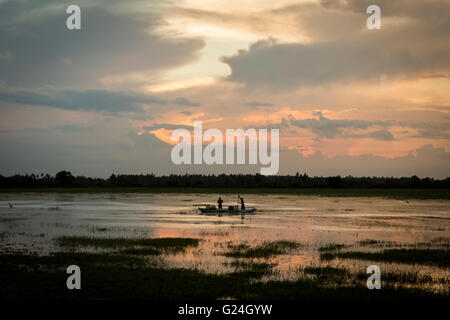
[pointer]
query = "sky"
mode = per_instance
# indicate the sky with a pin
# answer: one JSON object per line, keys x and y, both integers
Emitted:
{"x": 105, "y": 99}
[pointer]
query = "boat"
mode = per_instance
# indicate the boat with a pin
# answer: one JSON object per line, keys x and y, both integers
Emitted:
{"x": 211, "y": 209}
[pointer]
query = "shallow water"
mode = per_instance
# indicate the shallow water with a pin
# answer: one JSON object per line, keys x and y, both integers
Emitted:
{"x": 35, "y": 219}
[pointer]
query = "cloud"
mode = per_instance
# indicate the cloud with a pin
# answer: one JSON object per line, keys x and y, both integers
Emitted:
{"x": 166, "y": 126}
{"x": 360, "y": 55}
{"x": 433, "y": 134}
{"x": 429, "y": 130}
{"x": 104, "y": 150}
{"x": 185, "y": 102}
{"x": 260, "y": 104}
{"x": 87, "y": 100}
{"x": 382, "y": 135}
{"x": 148, "y": 141}
{"x": 113, "y": 41}
{"x": 426, "y": 161}
{"x": 323, "y": 57}
{"x": 62, "y": 128}
{"x": 98, "y": 151}
{"x": 331, "y": 128}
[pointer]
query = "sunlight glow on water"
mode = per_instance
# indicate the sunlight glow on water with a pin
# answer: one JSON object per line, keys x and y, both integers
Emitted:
{"x": 36, "y": 219}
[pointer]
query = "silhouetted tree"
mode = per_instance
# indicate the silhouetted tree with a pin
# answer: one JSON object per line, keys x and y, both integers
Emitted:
{"x": 64, "y": 178}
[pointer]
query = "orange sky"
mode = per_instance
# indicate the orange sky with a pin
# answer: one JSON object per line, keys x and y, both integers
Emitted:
{"x": 310, "y": 68}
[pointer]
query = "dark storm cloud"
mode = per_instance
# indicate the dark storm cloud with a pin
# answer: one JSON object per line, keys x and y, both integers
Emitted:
{"x": 185, "y": 102}
{"x": 382, "y": 135}
{"x": 432, "y": 134}
{"x": 88, "y": 100}
{"x": 330, "y": 128}
{"x": 431, "y": 130}
{"x": 324, "y": 127}
{"x": 37, "y": 48}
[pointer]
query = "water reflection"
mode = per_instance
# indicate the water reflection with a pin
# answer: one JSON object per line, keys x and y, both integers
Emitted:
{"x": 36, "y": 219}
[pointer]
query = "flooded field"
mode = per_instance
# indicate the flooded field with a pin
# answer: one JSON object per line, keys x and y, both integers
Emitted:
{"x": 324, "y": 239}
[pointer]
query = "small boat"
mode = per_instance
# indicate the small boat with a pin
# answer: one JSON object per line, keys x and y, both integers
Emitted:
{"x": 211, "y": 209}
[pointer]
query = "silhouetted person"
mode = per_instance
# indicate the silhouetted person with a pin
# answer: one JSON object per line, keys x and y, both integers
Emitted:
{"x": 219, "y": 202}
{"x": 242, "y": 203}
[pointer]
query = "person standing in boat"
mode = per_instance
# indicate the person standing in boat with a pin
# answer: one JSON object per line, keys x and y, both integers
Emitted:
{"x": 219, "y": 203}
{"x": 241, "y": 200}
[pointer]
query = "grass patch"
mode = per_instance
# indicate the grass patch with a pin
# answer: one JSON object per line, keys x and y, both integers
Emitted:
{"x": 327, "y": 271}
{"x": 440, "y": 242}
{"x": 327, "y": 274}
{"x": 217, "y": 233}
{"x": 118, "y": 276}
{"x": 436, "y": 243}
{"x": 161, "y": 243}
{"x": 10, "y": 219}
{"x": 379, "y": 243}
{"x": 35, "y": 262}
{"x": 414, "y": 278}
{"x": 251, "y": 269}
{"x": 438, "y": 257}
{"x": 142, "y": 252}
{"x": 333, "y": 247}
{"x": 264, "y": 250}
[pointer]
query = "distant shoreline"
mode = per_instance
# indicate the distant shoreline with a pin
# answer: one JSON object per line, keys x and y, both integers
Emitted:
{"x": 393, "y": 193}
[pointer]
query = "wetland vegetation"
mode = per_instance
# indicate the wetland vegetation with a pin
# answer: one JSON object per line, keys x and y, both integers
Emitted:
{"x": 134, "y": 246}
{"x": 128, "y": 271}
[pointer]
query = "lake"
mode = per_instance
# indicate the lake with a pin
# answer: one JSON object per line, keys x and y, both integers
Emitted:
{"x": 359, "y": 223}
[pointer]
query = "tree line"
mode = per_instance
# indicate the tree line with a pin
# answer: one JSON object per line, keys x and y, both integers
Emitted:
{"x": 66, "y": 179}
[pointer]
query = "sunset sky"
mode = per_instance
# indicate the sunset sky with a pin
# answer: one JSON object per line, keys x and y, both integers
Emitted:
{"x": 105, "y": 99}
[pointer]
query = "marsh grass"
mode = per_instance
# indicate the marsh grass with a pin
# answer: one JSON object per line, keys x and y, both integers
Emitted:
{"x": 81, "y": 241}
{"x": 435, "y": 243}
{"x": 251, "y": 269}
{"x": 136, "y": 268}
{"x": 3, "y": 235}
{"x": 130, "y": 246}
{"x": 143, "y": 251}
{"x": 10, "y": 219}
{"x": 380, "y": 243}
{"x": 326, "y": 271}
{"x": 440, "y": 242}
{"x": 438, "y": 257}
{"x": 119, "y": 276}
{"x": 265, "y": 250}
{"x": 216, "y": 233}
{"x": 401, "y": 278}
{"x": 333, "y": 247}
{"x": 326, "y": 276}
